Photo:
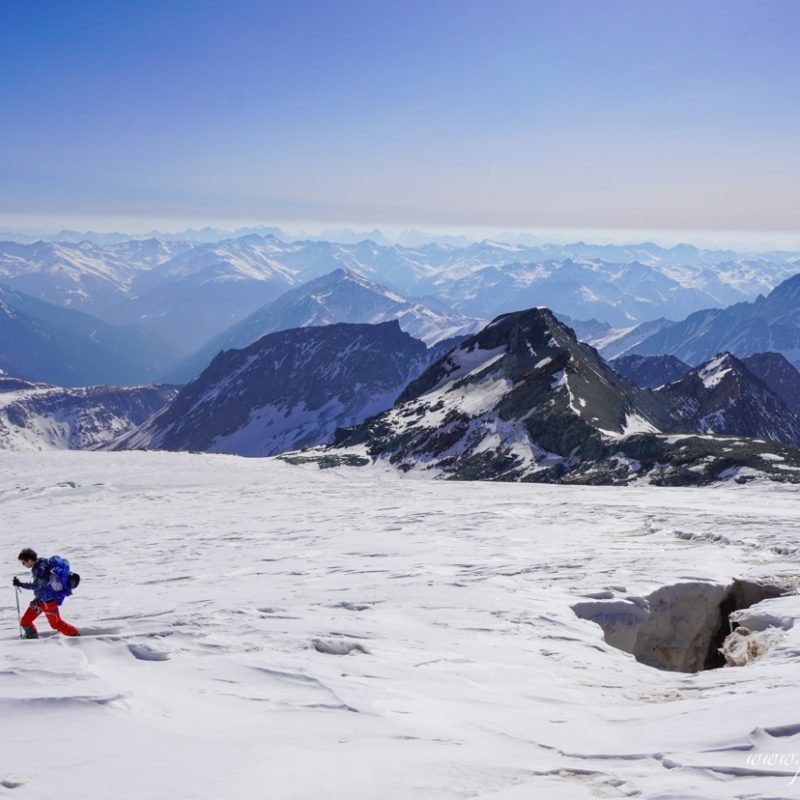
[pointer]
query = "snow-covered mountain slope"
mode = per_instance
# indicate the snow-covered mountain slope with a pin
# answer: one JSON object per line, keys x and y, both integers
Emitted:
{"x": 619, "y": 294}
{"x": 779, "y": 375}
{"x": 474, "y": 668}
{"x": 524, "y": 400}
{"x": 519, "y": 399}
{"x": 82, "y": 276}
{"x": 40, "y": 417}
{"x": 724, "y": 396}
{"x": 194, "y": 296}
{"x": 287, "y": 390}
{"x": 341, "y": 296}
{"x": 622, "y": 341}
{"x": 42, "y": 342}
{"x": 770, "y": 323}
{"x": 650, "y": 371}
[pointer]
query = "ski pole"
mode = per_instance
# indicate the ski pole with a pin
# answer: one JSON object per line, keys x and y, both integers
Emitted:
{"x": 19, "y": 615}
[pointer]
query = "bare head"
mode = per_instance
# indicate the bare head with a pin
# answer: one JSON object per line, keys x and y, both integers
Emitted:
{"x": 27, "y": 557}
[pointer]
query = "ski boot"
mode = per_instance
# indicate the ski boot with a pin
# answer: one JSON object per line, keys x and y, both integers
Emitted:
{"x": 30, "y": 632}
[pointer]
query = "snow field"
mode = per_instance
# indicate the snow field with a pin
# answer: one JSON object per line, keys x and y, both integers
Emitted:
{"x": 296, "y": 633}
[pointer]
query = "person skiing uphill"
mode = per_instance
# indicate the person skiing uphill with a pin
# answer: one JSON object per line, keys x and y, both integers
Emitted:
{"x": 47, "y": 596}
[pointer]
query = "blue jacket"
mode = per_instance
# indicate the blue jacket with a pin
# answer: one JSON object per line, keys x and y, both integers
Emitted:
{"x": 42, "y": 590}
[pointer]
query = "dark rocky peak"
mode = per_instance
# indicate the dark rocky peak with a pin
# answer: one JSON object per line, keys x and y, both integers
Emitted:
{"x": 723, "y": 396}
{"x": 538, "y": 356}
{"x": 520, "y": 397}
{"x": 774, "y": 370}
{"x": 522, "y": 341}
{"x": 287, "y": 390}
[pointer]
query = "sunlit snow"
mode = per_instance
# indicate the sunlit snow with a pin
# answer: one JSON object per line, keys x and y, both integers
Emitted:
{"x": 293, "y": 633}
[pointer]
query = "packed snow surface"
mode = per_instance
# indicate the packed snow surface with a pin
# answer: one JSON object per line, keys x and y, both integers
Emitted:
{"x": 298, "y": 634}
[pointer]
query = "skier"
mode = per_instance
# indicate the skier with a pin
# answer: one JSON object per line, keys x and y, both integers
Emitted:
{"x": 47, "y": 599}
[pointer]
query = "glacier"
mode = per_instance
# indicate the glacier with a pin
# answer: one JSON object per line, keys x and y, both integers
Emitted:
{"x": 357, "y": 633}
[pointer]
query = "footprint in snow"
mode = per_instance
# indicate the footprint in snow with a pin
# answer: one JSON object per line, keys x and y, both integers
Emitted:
{"x": 13, "y": 782}
{"x": 338, "y": 647}
{"x": 144, "y": 653}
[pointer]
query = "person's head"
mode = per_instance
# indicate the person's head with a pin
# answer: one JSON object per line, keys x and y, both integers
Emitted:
{"x": 27, "y": 557}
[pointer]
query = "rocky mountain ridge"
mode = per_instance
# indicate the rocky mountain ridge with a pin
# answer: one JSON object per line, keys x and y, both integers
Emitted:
{"x": 35, "y": 416}
{"x": 524, "y": 400}
{"x": 287, "y": 390}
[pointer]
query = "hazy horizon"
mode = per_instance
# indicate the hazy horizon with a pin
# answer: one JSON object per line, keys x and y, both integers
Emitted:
{"x": 140, "y": 227}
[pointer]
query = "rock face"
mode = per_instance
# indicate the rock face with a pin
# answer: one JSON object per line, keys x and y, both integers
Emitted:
{"x": 650, "y": 371}
{"x": 779, "y": 375}
{"x": 41, "y": 417}
{"x": 770, "y": 323}
{"x": 524, "y": 400}
{"x": 724, "y": 397}
{"x": 287, "y": 390}
{"x": 41, "y": 342}
{"x": 341, "y": 296}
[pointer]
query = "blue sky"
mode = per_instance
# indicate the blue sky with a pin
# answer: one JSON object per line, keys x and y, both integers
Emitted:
{"x": 448, "y": 113}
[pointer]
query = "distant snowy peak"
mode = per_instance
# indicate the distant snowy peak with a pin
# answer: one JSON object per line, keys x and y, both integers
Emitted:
{"x": 84, "y": 276}
{"x": 621, "y": 341}
{"x": 248, "y": 258}
{"x": 769, "y": 324}
{"x": 287, "y": 390}
{"x": 344, "y": 295}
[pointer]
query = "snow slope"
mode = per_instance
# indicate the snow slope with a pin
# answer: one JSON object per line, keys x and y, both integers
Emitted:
{"x": 42, "y": 417}
{"x": 240, "y": 583}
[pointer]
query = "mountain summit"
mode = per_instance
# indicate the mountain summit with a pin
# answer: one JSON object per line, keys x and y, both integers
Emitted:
{"x": 520, "y": 397}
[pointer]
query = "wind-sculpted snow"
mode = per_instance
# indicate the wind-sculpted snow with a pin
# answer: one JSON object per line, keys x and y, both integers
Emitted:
{"x": 351, "y": 634}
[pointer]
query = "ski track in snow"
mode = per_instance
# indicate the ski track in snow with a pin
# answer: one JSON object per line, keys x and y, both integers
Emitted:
{"x": 296, "y": 633}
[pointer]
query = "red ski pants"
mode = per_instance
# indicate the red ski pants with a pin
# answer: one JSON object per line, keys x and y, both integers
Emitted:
{"x": 50, "y": 609}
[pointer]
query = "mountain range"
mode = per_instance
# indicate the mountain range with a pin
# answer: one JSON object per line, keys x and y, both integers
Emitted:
{"x": 768, "y": 324}
{"x": 524, "y": 400}
{"x": 342, "y": 296}
{"x": 650, "y": 372}
{"x": 189, "y": 291}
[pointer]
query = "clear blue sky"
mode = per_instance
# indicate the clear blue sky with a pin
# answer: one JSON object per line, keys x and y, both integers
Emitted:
{"x": 584, "y": 113}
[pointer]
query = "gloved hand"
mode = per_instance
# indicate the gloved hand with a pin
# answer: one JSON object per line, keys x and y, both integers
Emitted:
{"x": 16, "y": 581}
